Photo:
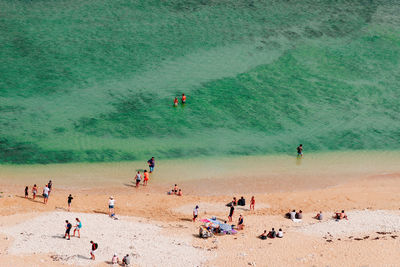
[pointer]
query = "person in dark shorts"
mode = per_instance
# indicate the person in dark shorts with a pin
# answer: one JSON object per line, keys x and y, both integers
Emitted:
{"x": 50, "y": 185}
{"x": 26, "y": 191}
{"x": 300, "y": 151}
{"x": 232, "y": 209}
{"x": 68, "y": 230}
{"x": 70, "y": 198}
{"x": 195, "y": 213}
{"x": 151, "y": 163}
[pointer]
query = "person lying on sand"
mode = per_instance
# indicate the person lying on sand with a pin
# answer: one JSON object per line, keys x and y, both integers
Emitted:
{"x": 263, "y": 235}
{"x": 240, "y": 223}
{"x": 319, "y": 216}
{"x": 340, "y": 215}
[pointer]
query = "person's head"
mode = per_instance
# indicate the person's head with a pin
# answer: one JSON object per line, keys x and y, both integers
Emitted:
{"x": 300, "y": 211}
{"x": 127, "y": 255}
{"x": 66, "y": 221}
{"x": 197, "y": 207}
{"x": 145, "y": 170}
{"x": 152, "y": 157}
{"x": 50, "y": 181}
{"x": 301, "y": 145}
{"x": 273, "y": 229}
{"x": 70, "y": 195}
{"x": 234, "y": 198}
{"x": 252, "y": 197}
{"x": 342, "y": 211}
{"x": 224, "y": 221}
{"x": 180, "y": 190}
{"x": 176, "y": 185}
{"x": 280, "y": 229}
{"x": 241, "y": 197}
{"x": 265, "y": 231}
{"x": 34, "y": 185}
{"x": 183, "y": 94}
{"x": 77, "y": 219}
{"x": 111, "y": 197}
{"x": 293, "y": 210}
{"x": 115, "y": 254}
{"x": 138, "y": 172}
{"x": 91, "y": 242}
{"x": 240, "y": 215}
{"x": 26, "y": 186}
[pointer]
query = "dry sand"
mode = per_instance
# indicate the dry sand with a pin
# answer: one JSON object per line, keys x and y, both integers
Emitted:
{"x": 161, "y": 222}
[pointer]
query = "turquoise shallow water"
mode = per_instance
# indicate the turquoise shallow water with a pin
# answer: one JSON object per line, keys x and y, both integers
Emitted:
{"x": 94, "y": 81}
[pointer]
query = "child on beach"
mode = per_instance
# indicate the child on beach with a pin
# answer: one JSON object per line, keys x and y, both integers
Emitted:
{"x": 46, "y": 191}
{"x": 34, "y": 191}
{"x": 78, "y": 227}
{"x": 252, "y": 203}
{"x": 138, "y": 179}
{"x": 111, "y": 203}
{"x": 195, "y": 213}
{"x": 146, "y": 177}
{"x": 240, "y": 223}
{"x": 94, "y": 247}
{"x": 68, "y": 229}
{"x": 70, "y": 198}
{"x": 232, "y": 209}
{"x": 26, "y": 191}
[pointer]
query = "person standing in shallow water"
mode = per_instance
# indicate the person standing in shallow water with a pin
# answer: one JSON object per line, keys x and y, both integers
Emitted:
{"x": 151, "y": 163}
{"x": 183, "y": 99}
{"x": 300, "y": 151}
{"x": 176, "y": 102}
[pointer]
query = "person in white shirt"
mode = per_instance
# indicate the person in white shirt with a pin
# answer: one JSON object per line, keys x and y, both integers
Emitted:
{"x": 111, "y": 203}
{"x": 280, "y": 233}
{"x": 46, "y": 191}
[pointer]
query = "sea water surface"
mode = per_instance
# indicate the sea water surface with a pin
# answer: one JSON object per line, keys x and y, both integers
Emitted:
{"x": 94, "y": 80}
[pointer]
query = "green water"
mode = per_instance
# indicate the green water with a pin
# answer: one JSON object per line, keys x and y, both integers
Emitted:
{"x": 94, "y": 80}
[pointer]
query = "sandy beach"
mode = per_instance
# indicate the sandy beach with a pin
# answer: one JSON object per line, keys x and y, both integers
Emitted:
{"x": 156, "y": 228}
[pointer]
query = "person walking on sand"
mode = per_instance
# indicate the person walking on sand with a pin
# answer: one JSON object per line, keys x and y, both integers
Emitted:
{"x": 94, "y": 248}
{"x": 183, "y": 99}
{"x": 70, "y": 198}
{"x": 232, "y": 209}
{"x": 146, "y": 177}
{"x": 300, "y": 151}
{"x": 111, "y": 203}
{"x": 195, "y": 213}
{"x": 78, "y": 227}
{"x": 138, "y": 179}
{"x": 151, "y": 163}
{"x": 252, "y": 203}
{"x": 46, "y": 191}
{"x": 50, "y": 186}
{"x": 34, "y": 191}
{"x": 26, "y": 191}
{"x": 68, "y": 230}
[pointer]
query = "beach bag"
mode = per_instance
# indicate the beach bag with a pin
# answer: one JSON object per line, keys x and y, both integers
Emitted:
{"x": 95, "y": 246}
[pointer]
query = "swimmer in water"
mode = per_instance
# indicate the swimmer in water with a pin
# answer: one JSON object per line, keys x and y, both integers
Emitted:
{"x": 176, "y": 102}
{"x": 183, "y": 99}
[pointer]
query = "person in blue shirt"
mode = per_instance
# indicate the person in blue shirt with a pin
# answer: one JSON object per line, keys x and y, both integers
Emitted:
{"x": 151, "y": 163}
{"x": 78, "y": 227}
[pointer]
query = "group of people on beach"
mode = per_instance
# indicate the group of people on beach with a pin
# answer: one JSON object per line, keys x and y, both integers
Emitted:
{"x": 183, "y": 100}
{"x": 175, "y": 191}
{"x": 68, "y": 228}
{"x": 146, "y": 175}
{"x": 46, "y": 191}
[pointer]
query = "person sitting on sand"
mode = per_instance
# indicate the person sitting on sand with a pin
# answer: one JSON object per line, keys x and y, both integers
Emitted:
{"x": 78, "y": 227}
{"x": 291, "y": 214}
{"x": 34, "y": 191}
{"x": 340, "y": 215}
{"x": 242, "y": 201}
{"x": 115, "y": 259}
{"x": 111, "y": 203}
{"x": 272, "y": 233}
{"x": 26, "y": 191}
{"x": 195, "y": 213}
{"x": 280, "y": 233}
{"x": 319, "y": 216}
{"x": 146, "y": 177}
{"x": 252, "y": 203}
{"x": 240, "y": 223}
{"x": 126, "y": 260}
{"x": 299, "y": 215}
{"x": 175, "y": 190}
{"x": 179, "y": 192}
{"x": 264, "y": 235}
